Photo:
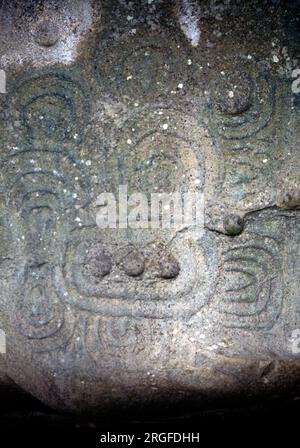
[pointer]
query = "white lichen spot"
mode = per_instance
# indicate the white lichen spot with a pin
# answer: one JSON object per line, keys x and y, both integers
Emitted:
{"x": 165, "y": 126}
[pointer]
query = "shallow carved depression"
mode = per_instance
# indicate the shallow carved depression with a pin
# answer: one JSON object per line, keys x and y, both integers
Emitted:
{"x": 98, "y": 318}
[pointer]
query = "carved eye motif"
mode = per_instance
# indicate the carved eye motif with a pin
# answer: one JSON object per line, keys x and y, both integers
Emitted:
{"x": 114, "y": 276}
{"x": 243, "y": 103}
{"x": 247, "y": 277}
{"x": 133, "y": 264}
{"x": 249, "y": 289}
{"x": 50, "y": 116}
{"x": 52, "y": 108}
{"x": 149, "y": 67}
{"x": 97, "y": 263}
{"x": 234, "y": 93}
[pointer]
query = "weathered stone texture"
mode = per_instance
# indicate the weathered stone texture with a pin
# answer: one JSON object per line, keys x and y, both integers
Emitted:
{"x": 119, "y": 95}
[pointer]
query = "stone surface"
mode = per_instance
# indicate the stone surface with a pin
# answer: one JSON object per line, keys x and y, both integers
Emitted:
{"x": 98, "y": 319}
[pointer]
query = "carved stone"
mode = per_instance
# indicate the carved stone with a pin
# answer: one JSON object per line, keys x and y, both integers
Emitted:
{"x": 160, "y": 98}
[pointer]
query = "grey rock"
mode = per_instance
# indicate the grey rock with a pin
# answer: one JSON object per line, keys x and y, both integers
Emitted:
{"x": 125, "y": 94}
